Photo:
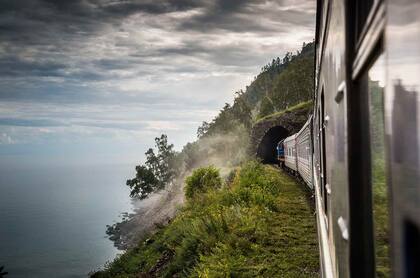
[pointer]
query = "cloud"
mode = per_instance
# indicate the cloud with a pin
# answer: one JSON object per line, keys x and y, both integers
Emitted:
{"x": 29, "y": 122}
{"x": 15, "y": 66}
{"x": 5, "y": 139}
{"x": 110, "y": 67}
{"x": 95, "y": 40}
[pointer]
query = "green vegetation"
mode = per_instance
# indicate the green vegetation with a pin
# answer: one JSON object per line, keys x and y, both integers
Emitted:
{"x": 302, "y": 105}
{"x": 292, "y": 85}
{"x": 257, "y": 224}
{"x": 381, "y": 216}
{"x": 281, "y": 84}
{"x": 202, "y": 180}
{"x": 158, "y": 171}
{"x": 379, "y": 186}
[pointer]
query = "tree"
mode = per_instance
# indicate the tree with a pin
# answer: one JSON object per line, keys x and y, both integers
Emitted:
{"x": 191, "y": 155}
{"x": 266, "y": 108}
{"x": 159, "y": 170}
{"x": 202, "y": 130}
{"x": 144, "y": 183}
{"x": 241, "y": 109}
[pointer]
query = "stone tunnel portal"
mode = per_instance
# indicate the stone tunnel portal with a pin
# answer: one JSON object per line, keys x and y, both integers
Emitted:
{"x": 267, "y": 148}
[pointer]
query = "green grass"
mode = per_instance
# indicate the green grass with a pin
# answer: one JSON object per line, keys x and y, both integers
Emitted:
{"x": 302, "y": 105}
{"x": 259, "y": 224}
{"x": 381, "y": 216}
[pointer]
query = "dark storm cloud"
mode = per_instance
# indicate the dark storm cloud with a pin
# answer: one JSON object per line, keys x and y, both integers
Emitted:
{"x": 75, "y": 17}
{"x": 52, "y": 28}
{"x": 124, "y": 8}
{"x": 226, "y": 15}
{"x": 15, "y": 66}
{"x": 157, "y": 60}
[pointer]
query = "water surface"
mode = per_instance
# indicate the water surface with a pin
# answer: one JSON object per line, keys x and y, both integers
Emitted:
{"x": 53, "y": 219}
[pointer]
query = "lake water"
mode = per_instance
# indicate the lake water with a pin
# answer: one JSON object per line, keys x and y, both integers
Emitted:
{"x": 53, "y": 219}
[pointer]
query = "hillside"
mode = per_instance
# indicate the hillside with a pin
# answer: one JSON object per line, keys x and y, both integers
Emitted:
{"x": 258, "y": 224}
{"x": 244, "y": 219}
{"x": 281, "y": 84}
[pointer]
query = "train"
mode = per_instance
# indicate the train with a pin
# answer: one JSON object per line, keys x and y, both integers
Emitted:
{"x": 295, "y": 153}
{"x": 359, "y": 150}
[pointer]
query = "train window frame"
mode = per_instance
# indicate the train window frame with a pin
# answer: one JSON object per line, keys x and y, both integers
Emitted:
{"x": 363, "y": 21}
{"x": 372, "y": 33}
{"x": 364, "y": 47}
{"x": 361, "y": 207}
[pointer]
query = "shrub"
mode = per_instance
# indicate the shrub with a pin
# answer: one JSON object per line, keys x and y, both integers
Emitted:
{"x": 201, "y": 180}
{"x": 231, "y": 176}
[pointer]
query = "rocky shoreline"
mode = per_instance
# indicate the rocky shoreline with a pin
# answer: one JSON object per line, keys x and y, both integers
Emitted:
{"x": 149, "y": 214}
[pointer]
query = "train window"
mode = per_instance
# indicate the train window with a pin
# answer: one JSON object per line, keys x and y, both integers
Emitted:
{"x": 379, "y": 189}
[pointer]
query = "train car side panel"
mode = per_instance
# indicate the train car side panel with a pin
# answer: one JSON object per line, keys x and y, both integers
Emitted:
{"x": 304, "y": 153}
{"x": 290, "y": 152}
{"x": 329, "y": 136}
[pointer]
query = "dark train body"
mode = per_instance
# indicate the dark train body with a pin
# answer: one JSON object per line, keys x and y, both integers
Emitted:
{"x": 359, "y": 151}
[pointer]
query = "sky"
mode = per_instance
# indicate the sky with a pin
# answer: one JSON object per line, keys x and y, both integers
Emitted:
{"x": 95, "y": 81}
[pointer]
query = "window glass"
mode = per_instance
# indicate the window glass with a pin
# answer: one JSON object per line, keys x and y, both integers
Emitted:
{"x": 378, "y": 178}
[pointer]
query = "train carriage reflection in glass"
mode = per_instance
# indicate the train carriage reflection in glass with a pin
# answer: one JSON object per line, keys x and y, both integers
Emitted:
{"x": 359, "y": 152}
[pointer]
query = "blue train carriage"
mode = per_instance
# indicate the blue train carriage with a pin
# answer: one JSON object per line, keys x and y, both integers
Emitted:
{"x": 280, "y": 153}
{"x": 304, "y": 153}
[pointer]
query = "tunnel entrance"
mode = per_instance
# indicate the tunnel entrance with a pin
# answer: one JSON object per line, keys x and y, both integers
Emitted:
{"x": 267, "y": 147}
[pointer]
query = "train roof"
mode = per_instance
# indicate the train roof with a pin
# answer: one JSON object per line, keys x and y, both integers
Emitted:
{"x": 305, "y": 125}
{"x": 292, "y": 137}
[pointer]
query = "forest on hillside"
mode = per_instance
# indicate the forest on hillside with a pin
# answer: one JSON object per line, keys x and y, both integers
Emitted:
{"x": 282, "y": 83}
